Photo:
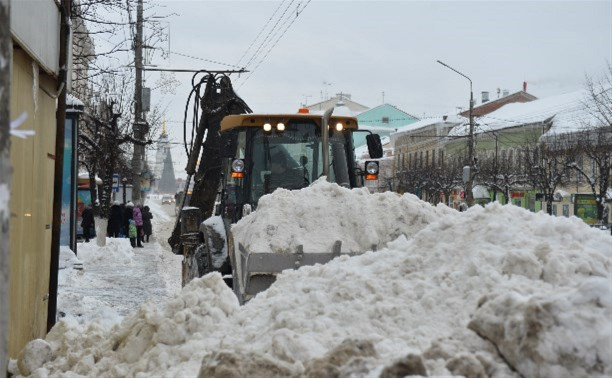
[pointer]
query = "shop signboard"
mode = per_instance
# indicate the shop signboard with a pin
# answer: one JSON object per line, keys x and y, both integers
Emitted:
{"x": 585, "y": 208}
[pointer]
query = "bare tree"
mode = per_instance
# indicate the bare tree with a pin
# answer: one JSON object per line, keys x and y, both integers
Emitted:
{"x": 596, "y": 141}
{"x": 501, "y": 173}
{"x": 545, "y": 167}
{"x": 444, "y": 178}
{"x": 596, "y": 146}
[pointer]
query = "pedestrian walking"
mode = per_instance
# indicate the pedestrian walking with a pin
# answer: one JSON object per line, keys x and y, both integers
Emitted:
{"x": 146, "y": 220}
{"x": 132, "y": 232}
{"x": 127, "y": 215}
{"x": 114, "y": 220}
{"x": 137, "y": 214}
{"x": 88, "y": 222}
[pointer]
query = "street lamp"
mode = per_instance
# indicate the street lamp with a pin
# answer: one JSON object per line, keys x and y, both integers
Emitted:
{"x": 124, "y": 182}
{"x": 469, "y": 196}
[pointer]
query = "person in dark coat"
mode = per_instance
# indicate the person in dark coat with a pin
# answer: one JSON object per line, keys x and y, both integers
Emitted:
{"x": 146, "y": 220}
{"x": 88, "y": 222}
{"x": 127, "y": 215}
{"x": 114, "y": 220}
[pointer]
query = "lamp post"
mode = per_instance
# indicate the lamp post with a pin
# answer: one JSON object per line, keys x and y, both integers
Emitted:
{"x": 469, "y": 196}
{"x": 124, "y": 182}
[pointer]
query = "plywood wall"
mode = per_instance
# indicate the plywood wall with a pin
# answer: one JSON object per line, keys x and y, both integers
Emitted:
{"x": 31, "y": 203}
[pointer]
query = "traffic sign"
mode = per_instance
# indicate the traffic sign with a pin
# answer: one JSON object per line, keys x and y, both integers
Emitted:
{"x": 115, "y": 183}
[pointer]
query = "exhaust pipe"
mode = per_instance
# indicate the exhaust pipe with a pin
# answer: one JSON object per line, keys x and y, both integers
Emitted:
{"x": 325, "y": 140}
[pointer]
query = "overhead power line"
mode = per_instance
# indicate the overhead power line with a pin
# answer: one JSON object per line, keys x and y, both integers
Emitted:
{"x": 203, "y": 59}
{"x": 261, "y": 31}
{"x": 297, "y": 14}
{"x": 263, "y": 43}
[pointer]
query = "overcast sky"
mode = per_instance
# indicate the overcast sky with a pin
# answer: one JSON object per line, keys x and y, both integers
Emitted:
{"x": 367, "y": 47}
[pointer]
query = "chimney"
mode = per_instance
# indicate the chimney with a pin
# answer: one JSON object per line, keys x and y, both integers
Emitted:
{"x": 505, "y": 93}
{"x": 485, "y": 97}
{"x": 524, "y": 86}
{"x": 498, "y": 92}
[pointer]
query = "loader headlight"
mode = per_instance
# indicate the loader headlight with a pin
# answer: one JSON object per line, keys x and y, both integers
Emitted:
{"x": 267, "y": 127}
{"x": 339, "y": 126}
{"x": 371, "y": 168}
{"x": 238, "y": 165}
{"x": 238, "y": 168}
{"x": 280, "y": 127}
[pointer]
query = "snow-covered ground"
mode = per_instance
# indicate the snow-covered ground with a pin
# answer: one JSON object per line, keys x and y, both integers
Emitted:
{"x": 496, "y": 291}
{"x": 103, "y": 284}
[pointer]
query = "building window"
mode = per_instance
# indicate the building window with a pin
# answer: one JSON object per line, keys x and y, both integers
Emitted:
{"x": 441, "y": 157}
{"x": 385, "y": 119}
{"x": 427, "y": 158}
{"x": 433, "y": 158}
{"x": 421, "y": 160}
{"x": 554, "y": 209}
{"x": 566, "y": 210}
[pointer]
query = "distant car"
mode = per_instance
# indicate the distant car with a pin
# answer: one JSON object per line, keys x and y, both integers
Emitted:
{"x": 167, "y": 199}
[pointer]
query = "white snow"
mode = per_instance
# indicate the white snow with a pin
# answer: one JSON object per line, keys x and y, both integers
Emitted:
{"x": 567, "y": 111}
{"x": 536, "y": 286}
{"x": 156, "y": 208}
{"x": 317, "y": 216}
{"x": 430, "y": 121}
{"x": 218, "y": 257}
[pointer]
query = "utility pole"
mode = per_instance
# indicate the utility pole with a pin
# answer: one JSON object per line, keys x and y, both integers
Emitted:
{"x": 140, "y": 126}
{"x": 469, "y": 196}
{"x": 5, "y": 177}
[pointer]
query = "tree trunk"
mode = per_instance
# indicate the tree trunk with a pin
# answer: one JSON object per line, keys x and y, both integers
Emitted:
{"x": 549, "y": 204}
{"x": 507, "y": 194}
{"x": 5, "y": 178}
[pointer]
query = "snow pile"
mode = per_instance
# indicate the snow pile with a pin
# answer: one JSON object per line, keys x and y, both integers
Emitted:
{"x": 217, "y": 246}
{"x": 317, "y": 216}
{"x": 443, "y": 301}
{"x": 116, "y": 249}
{"x": 67, "y": 258}
{"x": 72, "y": 303}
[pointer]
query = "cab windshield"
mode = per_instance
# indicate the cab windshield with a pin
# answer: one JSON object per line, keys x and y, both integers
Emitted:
{"x": 293, "y": 159}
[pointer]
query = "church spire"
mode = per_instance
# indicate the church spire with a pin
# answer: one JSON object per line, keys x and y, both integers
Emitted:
{"x": 164, "y": 133}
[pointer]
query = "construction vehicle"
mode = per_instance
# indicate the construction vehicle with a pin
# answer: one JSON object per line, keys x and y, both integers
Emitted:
{"x": 257, "y": 154}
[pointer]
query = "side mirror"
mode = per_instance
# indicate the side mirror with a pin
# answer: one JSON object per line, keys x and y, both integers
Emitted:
{"x": 303, "y": 160}
{"x": 227, "y": 145}
{"x": 375, "y": 149}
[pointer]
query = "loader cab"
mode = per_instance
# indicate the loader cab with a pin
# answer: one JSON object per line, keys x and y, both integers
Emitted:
{"x": 264, "y": 153}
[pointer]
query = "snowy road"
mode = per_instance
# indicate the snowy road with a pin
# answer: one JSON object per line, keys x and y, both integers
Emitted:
{"x": 117, "y": 279}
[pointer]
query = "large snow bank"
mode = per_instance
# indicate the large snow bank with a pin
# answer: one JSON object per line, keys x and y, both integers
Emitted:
{"x": 448, "y": 299}
{"x": 317, "y": 216}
